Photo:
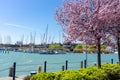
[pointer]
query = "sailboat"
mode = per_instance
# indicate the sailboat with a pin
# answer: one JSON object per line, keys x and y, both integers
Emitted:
{"x": 45, "y": 51}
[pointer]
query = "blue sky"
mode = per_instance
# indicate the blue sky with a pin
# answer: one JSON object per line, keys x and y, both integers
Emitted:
{"x": 22, "y": 17}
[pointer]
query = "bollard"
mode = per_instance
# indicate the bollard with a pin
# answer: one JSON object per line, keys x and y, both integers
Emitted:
{"x": 85, "y": 63}
{"x": 111, "y": 61}
{"x": 66, "y": 64}
{"x": 39, "y": 69}
{"x": 10, "y": 72}
{"x": 45, "y": 65}
{"x": 81, "y": 64}
{"x": 14, "y": 70}
{"x": 62, "y": 68}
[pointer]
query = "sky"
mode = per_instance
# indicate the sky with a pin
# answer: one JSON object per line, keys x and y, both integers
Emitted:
{"x": 21, "y": 18}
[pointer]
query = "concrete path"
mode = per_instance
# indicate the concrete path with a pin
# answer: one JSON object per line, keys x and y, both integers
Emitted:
{"x": 10, "y": 78}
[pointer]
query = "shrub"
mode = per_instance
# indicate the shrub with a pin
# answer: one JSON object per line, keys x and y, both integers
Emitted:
{"x": 107, "y": 72}
{"x": 55, "y": 46}
{"x": 79, "y": 46}
{"x": 43, "y": 76}
{"x": 103, "y": 47}
{"x": 97, "y": 73}
{"x": 68, "y": 75}
{"x": 112, "y": 70}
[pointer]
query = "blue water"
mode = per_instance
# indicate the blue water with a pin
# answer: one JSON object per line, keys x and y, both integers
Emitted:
{"x": 27, "y": 62}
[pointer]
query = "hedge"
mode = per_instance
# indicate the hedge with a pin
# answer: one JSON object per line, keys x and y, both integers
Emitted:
{"x": 107, "y": 72}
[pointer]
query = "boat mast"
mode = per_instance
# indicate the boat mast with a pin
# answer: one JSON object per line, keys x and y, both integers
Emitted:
{"x": 46, "y": 34}
{"x": 34, "y": 38}
{"x": 22, "y": 39}
{"x": 0, "y": 39}
{"x": 59, "y": 37}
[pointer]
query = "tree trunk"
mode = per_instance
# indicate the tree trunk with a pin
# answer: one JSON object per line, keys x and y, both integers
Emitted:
{"x": 118, "y": 45}
{"x": 99, "y": 53}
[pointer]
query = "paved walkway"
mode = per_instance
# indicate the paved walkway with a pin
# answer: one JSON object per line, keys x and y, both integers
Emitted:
{"x": 10, "y": 78}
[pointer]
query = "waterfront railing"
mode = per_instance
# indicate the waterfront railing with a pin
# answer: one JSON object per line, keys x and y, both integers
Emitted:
{"x": 16, "y": 69}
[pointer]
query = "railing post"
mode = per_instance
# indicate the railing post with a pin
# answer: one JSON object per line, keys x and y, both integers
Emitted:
{"x": 81, "y": 64}
{"x": 85, "y": 63}
{"x": 45, "y": 65}
{"x": 14, "y": 70}
{"x": 111, "y": 61}
{"x": 11, "y": 72}
{"x": 39, "y": 69}
{"x": 66, "y": 64}
{"x": 62, "y": 68}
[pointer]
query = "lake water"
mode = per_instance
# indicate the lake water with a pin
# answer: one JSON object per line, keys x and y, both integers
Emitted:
{"x": 27, "y": 62}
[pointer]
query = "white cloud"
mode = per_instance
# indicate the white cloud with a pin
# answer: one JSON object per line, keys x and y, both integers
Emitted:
{"x": 18, "y": 26}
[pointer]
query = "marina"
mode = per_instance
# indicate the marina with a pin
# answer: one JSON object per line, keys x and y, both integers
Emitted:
{"x": 59, "y": 40}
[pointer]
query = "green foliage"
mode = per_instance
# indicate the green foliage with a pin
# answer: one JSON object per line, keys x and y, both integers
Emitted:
{"x": 67, "y": 75}
{"x": 79, "y": 46}
{"x": 90, "y": 47}
{"x": 103, "y": 47}
{"x": 54, "y": 46}
{"x": 97, "y": 73}
{"x": 43, "y": 76}
{"x": 112, "y": 70}
{"x": 107, "y": 72}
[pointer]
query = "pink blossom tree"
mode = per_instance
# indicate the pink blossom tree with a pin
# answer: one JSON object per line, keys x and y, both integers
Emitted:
{"x": 110, "y": 14}
{"x": 84, "y": 21}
